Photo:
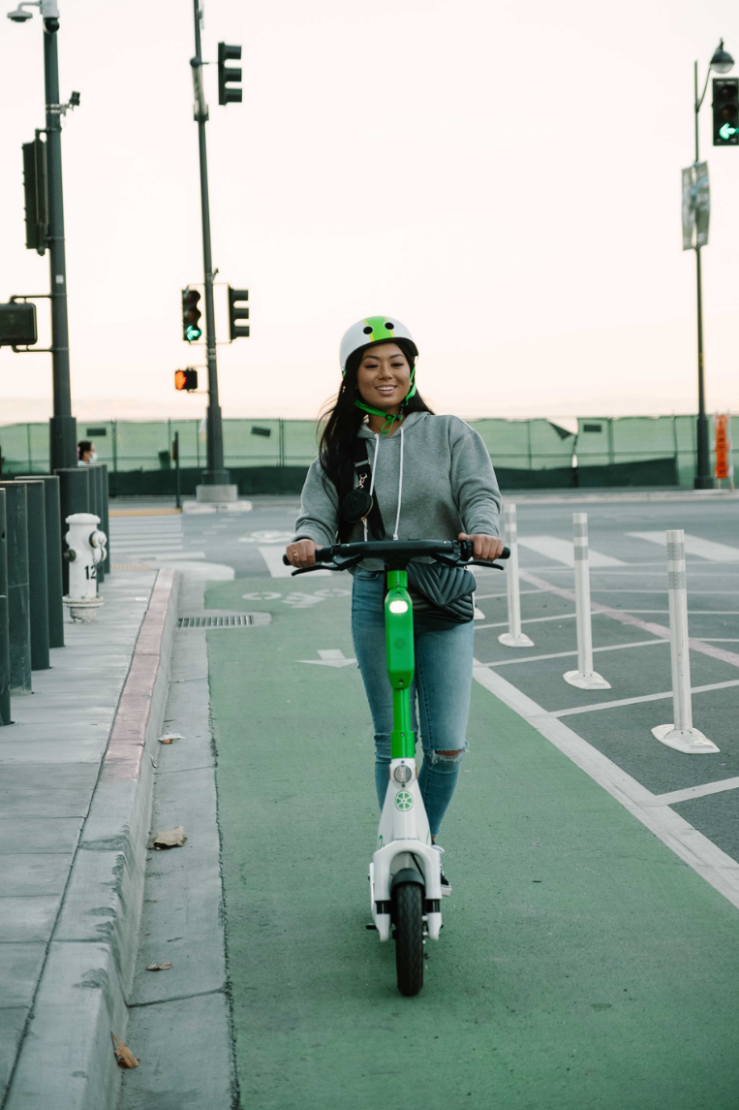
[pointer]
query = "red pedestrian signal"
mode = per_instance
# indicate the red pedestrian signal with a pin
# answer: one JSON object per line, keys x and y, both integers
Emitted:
{"x": 186, "y": 379}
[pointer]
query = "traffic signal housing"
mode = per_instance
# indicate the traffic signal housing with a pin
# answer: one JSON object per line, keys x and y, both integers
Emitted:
{"x": 237, "y": 330}
{"x": 228, "y": 75}
{"x": 18, "y": 324}
{"x": 35, "y": 189}
{"x": 191, "y": 330}
{"x": 726, "y": 111}
{"x": 186, "y": 380}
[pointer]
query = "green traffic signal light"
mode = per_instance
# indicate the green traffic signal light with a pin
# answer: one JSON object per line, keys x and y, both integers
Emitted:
{"x": 191, "y": 330}
{"x": 726, "y": 111}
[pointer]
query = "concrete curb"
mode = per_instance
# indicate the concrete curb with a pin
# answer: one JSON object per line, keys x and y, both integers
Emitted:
{"x": 67, "y": 1060}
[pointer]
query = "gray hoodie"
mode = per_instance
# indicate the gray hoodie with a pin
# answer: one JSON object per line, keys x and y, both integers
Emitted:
{"x": 448, "y": 485}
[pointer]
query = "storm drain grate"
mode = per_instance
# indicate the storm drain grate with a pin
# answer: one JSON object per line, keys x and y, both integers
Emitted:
{"x": 235, "y": 620}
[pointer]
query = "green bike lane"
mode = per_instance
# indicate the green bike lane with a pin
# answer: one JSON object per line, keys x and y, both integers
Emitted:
{"x": 582, "y": 964}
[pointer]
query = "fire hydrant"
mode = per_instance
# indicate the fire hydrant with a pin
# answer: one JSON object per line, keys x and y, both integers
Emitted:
{"x": 86, "y": 549}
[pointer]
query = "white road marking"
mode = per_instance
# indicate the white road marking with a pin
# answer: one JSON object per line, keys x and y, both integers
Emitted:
{"x": 694, "y": 545}
{"x": 531, "y": 620}
{"x": 627, "y": 618}
{"x": 563, "y": 551}
{"x": 567, "y": 654}
{"x": 676, "y": 796}
{"x": 180, "y": 555}
{"x": 273, "y": 558}
{"x": 691, "y": 846}
{"x": 644, "y": 697}
{"x": 261, "y": 595}
{"x": 330, "y": 657}
{"x": 657, "y": 590}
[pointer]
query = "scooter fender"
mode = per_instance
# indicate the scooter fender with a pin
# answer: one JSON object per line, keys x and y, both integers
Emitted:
{"x": 391, "y": 859}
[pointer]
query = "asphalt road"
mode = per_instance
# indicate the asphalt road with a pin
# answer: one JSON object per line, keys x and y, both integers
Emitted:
{"x": 583, "y": 961}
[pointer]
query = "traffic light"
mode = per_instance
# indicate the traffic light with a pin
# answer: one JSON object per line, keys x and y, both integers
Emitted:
{"x": 186, "y": 379}
{"x": 18, "y": 324}
{"x": 191, "y": 314}
{"x": 726, "y": 111}
{"x": 237, "y": 330}
{"x": 227, "y": 74}
{"x": 36, "y": 195}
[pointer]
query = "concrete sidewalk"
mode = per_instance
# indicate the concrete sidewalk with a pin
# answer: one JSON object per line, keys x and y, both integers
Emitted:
{"x": 73, "y": 777}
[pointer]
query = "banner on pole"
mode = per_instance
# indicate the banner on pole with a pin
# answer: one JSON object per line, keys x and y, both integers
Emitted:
{"x": 696, "y": 206}
{"x": 724, "y": 467}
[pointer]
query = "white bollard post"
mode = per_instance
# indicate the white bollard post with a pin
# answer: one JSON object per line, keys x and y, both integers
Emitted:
{"x": 585, "y": 678}
{"x": 680, "y": 735}
{"x": 514, "y": 637}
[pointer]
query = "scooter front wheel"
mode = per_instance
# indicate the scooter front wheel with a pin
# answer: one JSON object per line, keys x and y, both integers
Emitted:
{"x": 408, "y": 917}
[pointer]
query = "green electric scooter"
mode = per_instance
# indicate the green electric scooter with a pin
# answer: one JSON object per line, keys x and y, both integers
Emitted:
{"x": 405, "y": 872}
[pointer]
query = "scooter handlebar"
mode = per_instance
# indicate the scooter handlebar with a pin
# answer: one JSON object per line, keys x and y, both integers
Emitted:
{"x": 451, "y": 552}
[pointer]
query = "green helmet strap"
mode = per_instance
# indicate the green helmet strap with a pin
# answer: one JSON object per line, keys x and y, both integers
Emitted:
{"x": 390, "y": 417}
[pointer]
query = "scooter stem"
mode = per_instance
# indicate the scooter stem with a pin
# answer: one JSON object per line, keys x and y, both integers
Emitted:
{"x": 400, "y": 662}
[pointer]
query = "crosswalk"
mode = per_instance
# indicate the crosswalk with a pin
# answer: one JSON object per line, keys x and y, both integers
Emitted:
{"x": 695, "y": 545}
{"x": 563, "y": 551}
{"x": 148, "y": 539}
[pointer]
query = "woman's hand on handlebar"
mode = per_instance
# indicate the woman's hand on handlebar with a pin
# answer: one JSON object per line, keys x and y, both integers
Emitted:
{"x": 302, "y": 553}
{"x": 484, "y": 547}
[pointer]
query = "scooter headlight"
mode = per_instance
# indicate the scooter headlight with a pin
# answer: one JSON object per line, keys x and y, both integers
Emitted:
{"x": 398, "y": 605}
{"x": 403, "y": 772}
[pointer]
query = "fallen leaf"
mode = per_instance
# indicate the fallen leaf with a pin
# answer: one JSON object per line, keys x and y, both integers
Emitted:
{"x": 158, "y": 967}
{"x": 153, "y": 760}
{"x": 174, "y": 838}
{"x": 169, "y": 737}
{"x": 123, "y": 1054}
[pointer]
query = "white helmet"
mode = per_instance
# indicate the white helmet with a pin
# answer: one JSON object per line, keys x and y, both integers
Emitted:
{"x": 374, "y": 329}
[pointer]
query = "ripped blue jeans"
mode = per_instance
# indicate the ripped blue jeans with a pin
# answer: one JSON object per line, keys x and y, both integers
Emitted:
{"x": 441, "y": 687}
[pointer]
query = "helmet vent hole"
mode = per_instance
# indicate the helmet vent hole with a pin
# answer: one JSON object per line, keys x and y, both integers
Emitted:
{"x": 389, "y": 325}
{"x": 368, "y": 330}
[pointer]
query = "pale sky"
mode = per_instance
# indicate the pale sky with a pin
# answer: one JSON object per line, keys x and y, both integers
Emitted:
{"x": 503, "y": 177}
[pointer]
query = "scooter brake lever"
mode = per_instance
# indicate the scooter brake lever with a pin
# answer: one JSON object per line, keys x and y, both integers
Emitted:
{"x": 318, "y": 566}
{"x": 482, "y": 563}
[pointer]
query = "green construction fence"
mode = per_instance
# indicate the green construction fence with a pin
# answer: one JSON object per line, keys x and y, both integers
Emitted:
{"x": 272, "y": 456}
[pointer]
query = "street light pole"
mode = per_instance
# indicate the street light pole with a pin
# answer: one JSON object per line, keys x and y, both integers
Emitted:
{"x": 703, "y": 479}
{"x": 215, "y": 475}
{"x": 62, "y": 425}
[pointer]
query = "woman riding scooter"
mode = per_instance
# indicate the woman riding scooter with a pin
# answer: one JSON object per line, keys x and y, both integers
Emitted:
{"x": 389, "y": 467}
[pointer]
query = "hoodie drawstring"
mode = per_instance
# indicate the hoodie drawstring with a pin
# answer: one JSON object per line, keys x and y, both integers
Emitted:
{"x": 400, "y": 482}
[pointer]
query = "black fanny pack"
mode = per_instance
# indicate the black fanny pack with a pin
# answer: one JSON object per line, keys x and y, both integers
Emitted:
{"x": 441, "y": 596}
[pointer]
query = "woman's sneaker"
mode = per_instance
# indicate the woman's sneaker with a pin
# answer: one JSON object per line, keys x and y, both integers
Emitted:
{"x": 446, "y": 886}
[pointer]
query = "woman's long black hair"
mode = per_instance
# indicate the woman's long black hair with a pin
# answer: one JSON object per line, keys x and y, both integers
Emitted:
{"x": 344, "y": 419}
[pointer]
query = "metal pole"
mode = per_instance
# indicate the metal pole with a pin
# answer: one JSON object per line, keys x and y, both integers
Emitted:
{"x": 4, "y": 626}
{"x": 585, "y": 678}
{"x": 19, "y": 604}
{"x": 215, "y": 475}
{"x": 514, "y": 637}
{"x": 177, "y": 468}
{"x": 703, "y": 479}
{"x": 62, "y": 425}
{"x": 680, "y": 734}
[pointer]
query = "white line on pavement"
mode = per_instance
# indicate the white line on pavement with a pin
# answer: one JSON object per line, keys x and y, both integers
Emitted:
{"x": 627, "y": 618}
{"x": 530, "y": 620}
{"x": 676, "y": 796}
{"x": 694, "y": 545}
{"x": 644, "y": 697}
{"x": 563, "y": 551}
{"x": 566, "y": 654}
{"x": 691, "y": 846}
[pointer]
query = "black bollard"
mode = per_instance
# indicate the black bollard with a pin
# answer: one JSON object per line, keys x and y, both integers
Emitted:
{"x": 74, "y": 497}
{"x": 4, "y": 642}
{"x": 105, "y": 514}
{"x": 19, "y": 621}
{"x": 37, "y": 579}
{"x": 53, "y": 554}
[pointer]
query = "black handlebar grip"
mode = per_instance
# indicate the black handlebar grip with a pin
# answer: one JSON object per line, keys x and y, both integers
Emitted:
{"x": 286, "y": 561}
{"x": 505, "y": 553}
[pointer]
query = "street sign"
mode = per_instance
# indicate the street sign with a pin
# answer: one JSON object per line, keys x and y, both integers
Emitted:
{"x": 696, "y": 206}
